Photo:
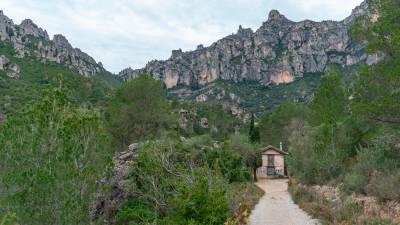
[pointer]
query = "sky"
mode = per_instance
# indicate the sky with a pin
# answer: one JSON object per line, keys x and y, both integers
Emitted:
{"x": 129, "y": 33}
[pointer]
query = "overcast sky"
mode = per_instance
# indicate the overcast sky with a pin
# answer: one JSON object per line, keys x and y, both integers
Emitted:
{"x": 122, "y": 33}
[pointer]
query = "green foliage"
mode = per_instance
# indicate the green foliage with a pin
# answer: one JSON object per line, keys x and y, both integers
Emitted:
{"x": 187, "y": 181}
{"x": 380, "y": 29}
{"x": 377, "y": 97}
{"x": 324, "y": 148}
{"x": 330, "y": 101}
{"x": 135, "y": 212}
{"x": 301, "y": 158}
{"x": 254, "y": 132}
{"x": 9, "y": 219}
{"x": 202, "y": 201}
{"x": 275, "y": 127}
{"x": 173, "y": 182}
{"x": 221, "y": 123}
{"x": 15, "y": 94}
{"x": 249, "y": 152}
{"x": 138, "y": 111}
{"x": 60, "y": 151}
{"x": 376, "y": 171}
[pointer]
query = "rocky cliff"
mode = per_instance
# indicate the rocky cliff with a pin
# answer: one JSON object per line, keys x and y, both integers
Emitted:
{"x": 278, "y": 52}
{"x": 28, "y": 39}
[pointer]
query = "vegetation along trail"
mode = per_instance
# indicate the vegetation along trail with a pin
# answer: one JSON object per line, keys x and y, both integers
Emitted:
{"x": 276, "y": 206}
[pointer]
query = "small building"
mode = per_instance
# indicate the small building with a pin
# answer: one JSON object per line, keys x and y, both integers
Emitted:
{"x": 273, "y": 162}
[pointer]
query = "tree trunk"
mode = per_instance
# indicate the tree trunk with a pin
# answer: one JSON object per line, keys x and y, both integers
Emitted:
{"x": 255, "y": 174}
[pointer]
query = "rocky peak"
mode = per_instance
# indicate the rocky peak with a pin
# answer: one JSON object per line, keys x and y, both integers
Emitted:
{"x": 6, "y": 26}
{"x": 126, "y": 72}
{"x": 177, "y": 53}
{"x": 58, "y": 49}
{"x": 31, "y": 28}
{"x": 244, "y": 32}
{"x": 275, "y": 15}
{"x": 61, "y": 41}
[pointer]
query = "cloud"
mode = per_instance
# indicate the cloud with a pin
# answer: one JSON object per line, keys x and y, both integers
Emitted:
{"x": 123, "y": 33}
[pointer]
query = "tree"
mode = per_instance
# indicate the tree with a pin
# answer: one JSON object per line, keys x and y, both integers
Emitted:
{"x": 138, "y": 111}
{"x": 275, "y": 126}
{"x": 330, "y": 100}
{"x": 254, "y": 132}
{"x": 250, "y": 153}
{"x": 377, "y": 95}
{"x": 51, "y": 157}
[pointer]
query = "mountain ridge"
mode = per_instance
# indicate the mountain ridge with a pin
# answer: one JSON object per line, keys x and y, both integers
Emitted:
{"x": 280, "y": 51}
{"x": 28, "y": 39}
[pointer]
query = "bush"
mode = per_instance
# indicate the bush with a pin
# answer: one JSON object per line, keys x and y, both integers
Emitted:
{"x": 375, "y": 163}
{"x": 355, "y": 182}
{"x": 201, "y": 202}
{"x": 347, "y": 212}
{"x": 385, "y": 186}
{"x": 138, "y": 111}
{"x": 135, "y": 212}
{"x": 51, "y": 157}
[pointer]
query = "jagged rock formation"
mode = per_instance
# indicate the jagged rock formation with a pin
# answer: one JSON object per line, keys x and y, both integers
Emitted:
{"x": 11, "y": 69}
{"x": 278, "y": 52}
{"x": 30, "y": 40}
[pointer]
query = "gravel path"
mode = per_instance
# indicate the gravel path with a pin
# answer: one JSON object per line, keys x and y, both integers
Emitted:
{"x": 277, "y": 208}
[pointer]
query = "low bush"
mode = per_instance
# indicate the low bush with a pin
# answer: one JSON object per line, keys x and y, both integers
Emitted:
{"x": 347, "y": 213}
{"x": 385, "y": 186}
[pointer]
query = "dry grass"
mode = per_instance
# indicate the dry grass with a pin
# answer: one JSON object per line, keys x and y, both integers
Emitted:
{"x": 242, "y": 198}
{"x": 345, "y": 211}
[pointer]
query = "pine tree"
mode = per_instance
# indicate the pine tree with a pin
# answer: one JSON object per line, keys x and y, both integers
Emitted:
{"x": 254, "y": 132}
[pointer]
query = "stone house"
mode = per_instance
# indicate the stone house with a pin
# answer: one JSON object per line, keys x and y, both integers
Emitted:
{"x": 273, "y": 162}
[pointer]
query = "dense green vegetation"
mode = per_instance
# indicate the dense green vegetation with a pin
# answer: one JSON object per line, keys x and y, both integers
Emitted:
{"x": 51, "y": 157}
{"x": 37, "y": 75}
{"x": 63, "y": 140}
{"x": 138, "y": 111}
{"x": 184, "y": 174}
{"x": 185, "y": 182}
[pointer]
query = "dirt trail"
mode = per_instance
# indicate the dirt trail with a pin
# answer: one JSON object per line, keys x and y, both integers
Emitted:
{"x": 277, "y": 208}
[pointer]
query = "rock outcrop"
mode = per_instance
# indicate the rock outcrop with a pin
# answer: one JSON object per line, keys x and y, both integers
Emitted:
{"x": 11, "y": 69}
{"x": 107, "y": 202}
{"x": 278, "y": 52}
{"x": 30, "y": 40}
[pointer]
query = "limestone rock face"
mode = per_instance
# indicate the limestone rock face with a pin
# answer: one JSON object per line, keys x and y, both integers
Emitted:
{"x": 31, "y": 28}
{"x": 278, "y": 52}
{"x": 30, "y": 40}
{"x": 11, "y": 69}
